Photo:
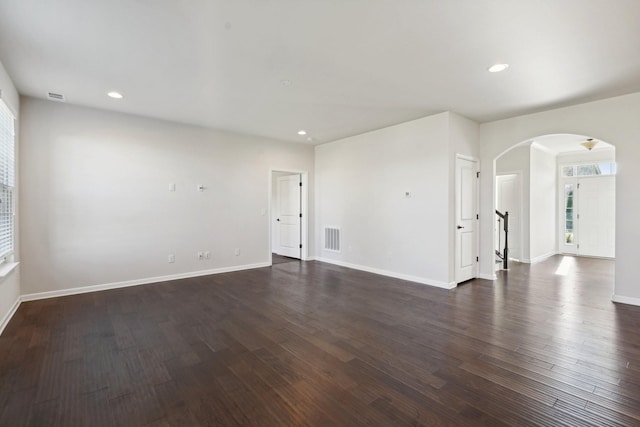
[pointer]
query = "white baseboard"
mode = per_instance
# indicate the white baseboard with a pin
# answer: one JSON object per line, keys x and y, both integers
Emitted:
{"x": 539, "y": 258}
{"x": 487, "y": 276}
{"x": 387, "y": 273}
{"x": 625, "y": 300}
{"x": 145, "y": 281}
{"x": 9, "y": 315}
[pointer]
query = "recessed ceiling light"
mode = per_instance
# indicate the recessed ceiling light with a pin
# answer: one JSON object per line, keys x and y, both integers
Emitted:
{"x": 115, "y": 95}
{"x": 302, "y": 132}
{"x": 496, "y": 68}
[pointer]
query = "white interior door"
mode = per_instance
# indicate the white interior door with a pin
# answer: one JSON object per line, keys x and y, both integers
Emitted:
{"x": 596, "y": 216}
{"x": 288, "y": 219}
{"x": 508, "y": 199}
{"x": 466, "y": 250}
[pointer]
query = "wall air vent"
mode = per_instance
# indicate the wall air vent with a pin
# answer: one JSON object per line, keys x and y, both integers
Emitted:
{"x": 56, "y": 97}
{"x": 332, "y": 239}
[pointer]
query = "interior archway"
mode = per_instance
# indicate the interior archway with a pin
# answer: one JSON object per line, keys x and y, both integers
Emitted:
{"x": 538, "y": 180}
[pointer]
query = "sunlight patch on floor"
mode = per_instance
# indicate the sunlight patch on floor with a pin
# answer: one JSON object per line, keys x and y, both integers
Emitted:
{"x": 565, "y": 266}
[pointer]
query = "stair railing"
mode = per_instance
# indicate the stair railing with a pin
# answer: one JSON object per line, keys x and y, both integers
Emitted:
{"x": 503, "y": 222}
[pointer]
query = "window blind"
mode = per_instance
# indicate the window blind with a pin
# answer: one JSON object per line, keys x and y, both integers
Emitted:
{"x": 7, "y": 179}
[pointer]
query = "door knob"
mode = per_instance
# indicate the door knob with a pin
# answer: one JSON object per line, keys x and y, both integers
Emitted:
{"x": 459, "y": 227}
{"x": 278, "y": 219}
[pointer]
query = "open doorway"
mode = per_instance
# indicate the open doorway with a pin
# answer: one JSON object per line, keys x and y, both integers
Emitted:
{"x": 288, "y": 226}
{"x": 566, "y": 190}
{"x": 509, "y": 201}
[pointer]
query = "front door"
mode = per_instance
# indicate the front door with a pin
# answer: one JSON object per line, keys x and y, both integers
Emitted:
{"x": 587, "y": 216}
{"x": 288, "y": 219}
{"x": 466, "y": 225}
{"x": 597, "y": 216}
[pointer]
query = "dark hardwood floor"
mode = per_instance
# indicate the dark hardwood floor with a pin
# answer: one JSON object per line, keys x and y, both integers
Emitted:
{"x": 307, "y": 343}
{"x": 279, "y": 259}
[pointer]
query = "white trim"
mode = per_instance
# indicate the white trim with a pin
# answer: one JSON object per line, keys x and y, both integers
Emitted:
{"x": 7, "y": 318}
{"x": 540, "y": 258}
{"x": 625, "y": 300}
{"x": 387, "y": 273}
{"x": 612, "y": 258}
{"x": 145, "y": 281}
{"x": 470, "y": 158}
{"x": 487, "y": 276}
{"x": 541, "y": 147}
{"x": 9, "y": 106}
{"x": 6, "y": 269}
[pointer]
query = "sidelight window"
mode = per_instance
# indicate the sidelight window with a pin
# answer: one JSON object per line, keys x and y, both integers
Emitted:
{"x": 568, "y": 214}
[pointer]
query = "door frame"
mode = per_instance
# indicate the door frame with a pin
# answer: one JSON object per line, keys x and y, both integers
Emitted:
{"x": 304, "y": 208}
{"x": 518, "y": 173}
{"x": 576, "y": 181}
{"x": 455, "y": 218}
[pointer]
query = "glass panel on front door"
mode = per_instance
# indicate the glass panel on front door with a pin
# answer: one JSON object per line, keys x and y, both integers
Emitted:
{"x": 568, "y": 214}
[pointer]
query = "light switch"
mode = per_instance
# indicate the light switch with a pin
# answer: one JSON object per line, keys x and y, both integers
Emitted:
{"x": 172, "y": 186}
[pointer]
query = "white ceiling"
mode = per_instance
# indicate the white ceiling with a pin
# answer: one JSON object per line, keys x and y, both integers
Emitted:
{"x": 354, "y": 65}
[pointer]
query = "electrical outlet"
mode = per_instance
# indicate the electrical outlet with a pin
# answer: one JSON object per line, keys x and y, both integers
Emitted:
{"x": 172, "y": 258}
{"x": 237, "y": 251}
{"x": 200, "y": 256}
{"x": 207, "y": 255}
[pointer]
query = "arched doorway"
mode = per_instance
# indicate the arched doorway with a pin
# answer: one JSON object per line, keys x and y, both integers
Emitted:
{"x": 560, "y": 194}
{"x": 614, "y": 120}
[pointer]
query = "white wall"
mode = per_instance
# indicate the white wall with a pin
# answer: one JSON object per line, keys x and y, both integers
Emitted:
{"x": 542, "y": 204}
{"x": 515, "y": 160}
{"x": 587, "y": 156}
{"x": 614, "y": 120}
{"x": 96, "y": 206}
{"x": 361, "y": 183}
{"x": 10, "y": 286}
{"x": 518, "y": 160}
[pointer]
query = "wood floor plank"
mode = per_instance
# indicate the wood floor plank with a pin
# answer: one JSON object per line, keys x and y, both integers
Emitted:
{"x": 314, "y": 344}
